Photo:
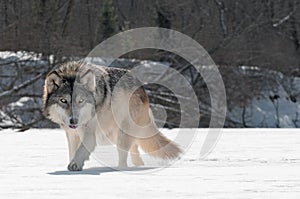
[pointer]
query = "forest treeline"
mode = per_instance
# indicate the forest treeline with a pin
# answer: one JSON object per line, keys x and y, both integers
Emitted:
{"x": 234, "y": 32}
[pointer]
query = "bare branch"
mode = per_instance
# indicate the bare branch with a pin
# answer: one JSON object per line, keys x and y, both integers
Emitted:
{"x": 21, "y": 86}
{"x": 222, "y": 16}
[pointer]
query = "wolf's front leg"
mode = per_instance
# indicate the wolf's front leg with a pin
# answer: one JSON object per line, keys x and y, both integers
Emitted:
{"x": 83, "y": 152}
{"x": 73, "y": 142}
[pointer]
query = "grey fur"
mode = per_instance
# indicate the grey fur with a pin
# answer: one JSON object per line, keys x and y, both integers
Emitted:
{"x": 85, "y": 100}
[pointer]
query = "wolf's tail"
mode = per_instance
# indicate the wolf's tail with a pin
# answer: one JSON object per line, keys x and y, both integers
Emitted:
{"x": 154, "y": 143}
{"x": 159, "y": 146}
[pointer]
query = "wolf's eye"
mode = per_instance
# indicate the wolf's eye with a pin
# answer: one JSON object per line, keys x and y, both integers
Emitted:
{"x": 63, "y": 100}
{"x": 81, "y": 100}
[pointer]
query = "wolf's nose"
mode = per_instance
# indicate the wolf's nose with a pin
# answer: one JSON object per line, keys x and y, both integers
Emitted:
{"x": 73, "y": 120}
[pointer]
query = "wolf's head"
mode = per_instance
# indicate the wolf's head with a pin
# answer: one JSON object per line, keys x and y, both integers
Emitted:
{"x": 69, "y": 97}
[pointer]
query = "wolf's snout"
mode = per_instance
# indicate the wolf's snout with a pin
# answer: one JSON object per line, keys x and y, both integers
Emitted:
{"x": 73, "y": 123}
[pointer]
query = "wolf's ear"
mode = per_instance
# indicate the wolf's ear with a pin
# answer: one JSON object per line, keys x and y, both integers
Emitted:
{"x": 88, "y": 79}
{"x": 53, "y": 81}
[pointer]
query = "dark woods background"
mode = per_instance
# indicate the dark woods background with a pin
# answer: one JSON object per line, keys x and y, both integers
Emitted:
{"x": 264, "y": 36}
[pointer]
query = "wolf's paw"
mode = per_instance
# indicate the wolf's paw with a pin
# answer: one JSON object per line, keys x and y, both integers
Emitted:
{"x": 138, "y": 162}
{"x": 74, "y": 166}
{"x": 123, "y": 165}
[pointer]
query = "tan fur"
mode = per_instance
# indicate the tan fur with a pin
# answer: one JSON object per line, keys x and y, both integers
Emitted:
{"x": 157, "y": 145}
{"x": 139, "y": 107}
{"x": 135, "y": 155}
{"x": 73, "y": 142}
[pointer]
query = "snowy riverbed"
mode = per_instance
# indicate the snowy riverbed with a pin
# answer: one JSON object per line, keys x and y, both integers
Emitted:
{"x": 246, "y": 163}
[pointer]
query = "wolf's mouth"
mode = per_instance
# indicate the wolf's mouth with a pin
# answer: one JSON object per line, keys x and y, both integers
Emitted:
{"x": 73, "y": 126}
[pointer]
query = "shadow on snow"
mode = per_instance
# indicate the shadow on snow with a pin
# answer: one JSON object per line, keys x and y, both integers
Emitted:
{"x": 100, "y": 170}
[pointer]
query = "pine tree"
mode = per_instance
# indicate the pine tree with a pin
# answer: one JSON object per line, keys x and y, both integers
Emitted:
{"x": 108, "y": 22}
{"x": 163, "y": 20}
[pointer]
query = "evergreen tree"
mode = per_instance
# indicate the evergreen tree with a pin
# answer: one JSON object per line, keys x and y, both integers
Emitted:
{"x": 163, "y": 20}
{"x": 108, "y": 22}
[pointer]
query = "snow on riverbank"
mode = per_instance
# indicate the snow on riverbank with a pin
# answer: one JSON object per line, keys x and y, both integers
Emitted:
{"x": 256, "y": 96}
{"x": 247, "y": 163}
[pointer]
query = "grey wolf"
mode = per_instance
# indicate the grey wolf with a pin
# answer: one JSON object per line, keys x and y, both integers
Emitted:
{"x": 86, "y": 102}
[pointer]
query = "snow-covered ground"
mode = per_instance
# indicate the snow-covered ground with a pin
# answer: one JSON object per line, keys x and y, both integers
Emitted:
{"x": 247, "y": 163}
